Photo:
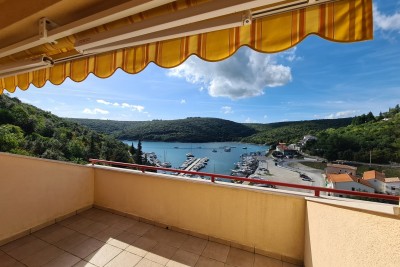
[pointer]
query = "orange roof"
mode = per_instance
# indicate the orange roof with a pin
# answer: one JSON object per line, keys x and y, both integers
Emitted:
{"x": 340, "y": 178}
{"x": 368, "y": 175}
{"x": 392, "y": 180}
{"x": 345, "y": 177}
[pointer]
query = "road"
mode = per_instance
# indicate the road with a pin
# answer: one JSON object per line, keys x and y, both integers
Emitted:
{"x": 287, "y": 174}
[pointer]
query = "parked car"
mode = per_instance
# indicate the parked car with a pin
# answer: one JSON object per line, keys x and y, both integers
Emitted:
{"x": 302, "y": 175}
{"x": 308, "y": 179}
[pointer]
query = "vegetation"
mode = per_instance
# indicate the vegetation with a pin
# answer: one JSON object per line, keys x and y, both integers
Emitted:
{"x": 291, "y": 132}
{"x": 184, "y": 130}
{"x": 378, "y": 137}
{"x": 211, "y": 130}
{"x": 27, "y": 130}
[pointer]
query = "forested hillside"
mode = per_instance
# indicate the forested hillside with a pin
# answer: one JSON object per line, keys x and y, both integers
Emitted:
{"x": 27, "y": 130}
{"x": 292, "y": 131}
{"x": 184, "y": 130}
{"x": 379, "y": 136}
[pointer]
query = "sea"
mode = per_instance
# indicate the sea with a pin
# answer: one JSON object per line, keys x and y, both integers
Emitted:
{"x": 220, "y": 162}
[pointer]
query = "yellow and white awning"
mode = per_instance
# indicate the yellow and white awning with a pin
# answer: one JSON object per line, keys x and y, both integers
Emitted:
{"x": 166, "y": 33}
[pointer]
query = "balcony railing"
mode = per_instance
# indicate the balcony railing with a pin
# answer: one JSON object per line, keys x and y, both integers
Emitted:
{"x": 214, "y": 176}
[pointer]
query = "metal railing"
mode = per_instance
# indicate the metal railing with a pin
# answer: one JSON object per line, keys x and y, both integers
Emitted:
{"x": 214, "y": 176}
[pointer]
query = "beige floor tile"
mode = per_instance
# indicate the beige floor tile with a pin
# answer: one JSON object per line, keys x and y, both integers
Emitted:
{"x": 17, "y": 243}
{"x": 71, "y": 241}
{"x": 263, "y": 261}
{"x": 148, "y": 263}
{"x": 7, "y": 261}
{"x": 27, "y": 249}
{"x": 161, "y": 253}
{"x": 110, "y": 232}
{"x": 103, "y": 255}
{"x": 64, "y": 260}
{"x": 194, "y": 245}
{"x": 53, "y": 233}
{"x": 175, "y": 239}
{"x": 124, "y": 223}
{"x": 83, "y": 263}
{"x": 93, "y": 229}
{"x": 123, "y": 240}
{"x": 216, "y": 251}
{"x": 85, "y": 248}
{"x": 79, "y": 223}
{"x": 183, "y": 258}
{"x": 141, "y": 246}
{"x": 240, "y": 258}
{"x": 206, "y": 262}
{"x": 139, "y": 228}
{"x": 42, "y": 256}
{"x": 124, "y": 259}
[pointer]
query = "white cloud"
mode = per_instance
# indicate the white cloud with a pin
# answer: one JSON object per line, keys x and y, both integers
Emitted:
{"x": 103, "y": 102}
{"x": 133, "y": 107}
{"x": 123, "y": 105}
{"x": 265, "y": 116}
{"x": 341, "y": 114}
{"x": 95, "y": 111}
{"x": 246, "y": 74}
{"x": 249, "y": 120}
{"x": 386, "y": 22}
{"x": 226, "y": 110}
{"x": 183, "y": 101}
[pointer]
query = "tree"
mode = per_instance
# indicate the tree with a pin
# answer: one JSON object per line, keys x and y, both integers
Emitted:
{"x": 139, "y": 153}
{"x": 132, "y": 150}
{"x": 11, "y": 137}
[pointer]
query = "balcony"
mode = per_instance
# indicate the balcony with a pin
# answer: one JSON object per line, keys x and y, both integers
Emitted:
{"x": 61, "y": 214}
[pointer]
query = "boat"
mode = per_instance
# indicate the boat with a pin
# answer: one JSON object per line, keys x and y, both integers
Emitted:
{"x": 244, "y": 147}
{"x": 214, "y": 150}
{"x": 166, "y": 165}
{"x": 189, "y": 155}
{"x": 227, "y": 149}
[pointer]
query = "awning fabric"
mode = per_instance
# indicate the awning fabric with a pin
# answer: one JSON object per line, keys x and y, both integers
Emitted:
{"x": 341, "y": 21}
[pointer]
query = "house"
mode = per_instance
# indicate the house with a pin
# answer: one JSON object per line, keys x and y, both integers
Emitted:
{"x": 307, "y": 138}
{"x": 376, "y": 180}
{"x": 286, "y": 150}
{"x": 392, "y": 186}
{"x": 339, "y": 169}
{"x": 347, "y": 181}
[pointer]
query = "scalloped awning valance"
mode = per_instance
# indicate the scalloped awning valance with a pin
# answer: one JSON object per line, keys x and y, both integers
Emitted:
{"x": 339, "y": 21}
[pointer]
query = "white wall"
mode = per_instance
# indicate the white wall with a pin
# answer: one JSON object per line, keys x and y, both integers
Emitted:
{"x": 350, "y": 185}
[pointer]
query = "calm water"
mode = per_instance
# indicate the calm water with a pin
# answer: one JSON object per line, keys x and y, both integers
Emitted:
{"x": 220, "y": 162}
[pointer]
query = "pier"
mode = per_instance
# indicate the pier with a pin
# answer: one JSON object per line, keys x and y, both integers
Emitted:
{"x": 195, "y": 164}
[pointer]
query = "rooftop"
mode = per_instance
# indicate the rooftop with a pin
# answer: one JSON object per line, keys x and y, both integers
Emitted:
{"x": 341, "y": 166}
{"x": 373, "y": 175}
{"x": 392, "y": 180}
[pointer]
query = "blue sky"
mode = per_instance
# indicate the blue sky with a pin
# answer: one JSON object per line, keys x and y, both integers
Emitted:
{"x": 317, "y": 79}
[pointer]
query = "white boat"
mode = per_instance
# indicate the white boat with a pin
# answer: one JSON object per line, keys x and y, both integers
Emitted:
{"x": 189, "y": 155}
{"x": 227, "y": 149}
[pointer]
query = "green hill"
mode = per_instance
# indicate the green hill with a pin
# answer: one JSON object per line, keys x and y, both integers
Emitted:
{"x": 27, "y": 130}
{"x": 211, "y": 129}
{"x": 183, "y": 130}
{"x": 292, "y": 131}
{"x": 367, "y": 134}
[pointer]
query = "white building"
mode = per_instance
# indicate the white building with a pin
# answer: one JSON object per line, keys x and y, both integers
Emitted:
{"x": 392, "y": 186}
{"x": 376, "y": 180}
{"x": 349, "y": 182}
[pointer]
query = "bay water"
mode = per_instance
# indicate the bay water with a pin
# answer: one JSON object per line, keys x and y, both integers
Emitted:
{"x": 220, "y": 162}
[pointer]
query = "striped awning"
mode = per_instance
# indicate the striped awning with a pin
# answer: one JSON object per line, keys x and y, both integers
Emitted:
{"x": 339, "y": 21}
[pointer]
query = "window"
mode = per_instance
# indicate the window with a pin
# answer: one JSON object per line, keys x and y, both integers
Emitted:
{"x": 353, "y": 189}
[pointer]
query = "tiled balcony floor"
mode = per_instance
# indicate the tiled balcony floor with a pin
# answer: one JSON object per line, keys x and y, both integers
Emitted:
{"x": 99, "y": 238}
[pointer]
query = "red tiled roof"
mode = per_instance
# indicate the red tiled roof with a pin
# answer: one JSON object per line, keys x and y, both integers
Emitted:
{"x": 368, "y": 175}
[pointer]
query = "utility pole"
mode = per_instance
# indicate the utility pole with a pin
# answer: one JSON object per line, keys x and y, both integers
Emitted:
{"x": 370, "y": 158}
